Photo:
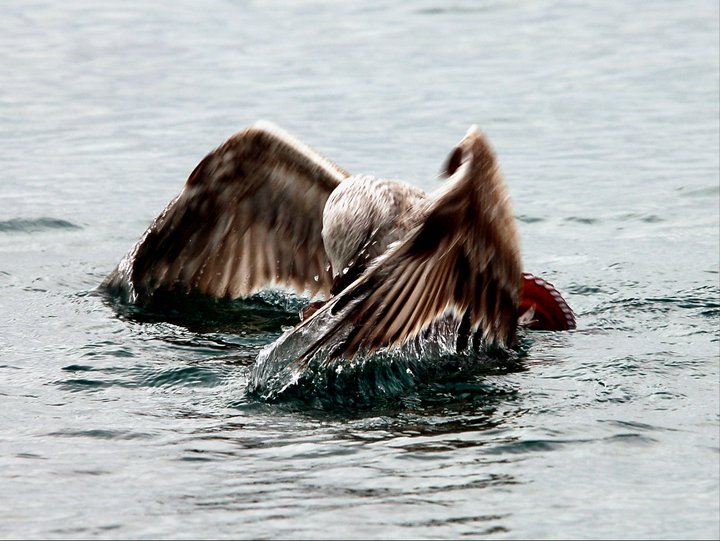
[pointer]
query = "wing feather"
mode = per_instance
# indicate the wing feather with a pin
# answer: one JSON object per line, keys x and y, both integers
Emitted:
{"x": 462, "y": 260}
{"x": 249, "y": 216}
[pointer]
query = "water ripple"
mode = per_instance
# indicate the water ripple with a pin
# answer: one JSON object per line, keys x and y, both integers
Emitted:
{"x": 103, "y": 434}
{"x": 191, "y": 375}
{"x": 205, "y": 375}
{"x": 26, "y": 225}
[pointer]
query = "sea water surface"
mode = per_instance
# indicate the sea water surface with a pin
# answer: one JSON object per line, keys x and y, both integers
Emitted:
{"x": 604, "y": 116}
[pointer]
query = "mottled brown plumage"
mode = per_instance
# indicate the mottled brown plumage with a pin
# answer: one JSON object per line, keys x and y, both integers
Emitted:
{"x": 249, "y": 216}
{"x": 264, "y": 209}
{"x": 461, "y": 261}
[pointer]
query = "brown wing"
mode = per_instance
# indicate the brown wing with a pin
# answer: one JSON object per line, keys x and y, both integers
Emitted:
{"x": 462, "y": 260}
{"x": 249, "y": 215}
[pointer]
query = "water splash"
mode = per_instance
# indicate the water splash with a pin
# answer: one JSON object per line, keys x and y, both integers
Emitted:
{"x": 426, "y": 367}
{"x": 382, "y": 377}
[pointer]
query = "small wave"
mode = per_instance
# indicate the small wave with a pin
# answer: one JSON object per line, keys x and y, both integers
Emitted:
{"x": 582, "y": 220}
{"x": 103, "y": 434}
{"x": 90, "y": 379}
{"x": 647, "y": 218}
{"x": 587, "y": 290}
{"x": 452, "y": 10}
{"x": 637, "y": 426}
{"x": 75, "y": 385}
{"x": 701, "y": 192}
{"x": 25, "y": 225}
{"x": 195, "y": 376}
{"x": 524, "y": 218}
{"x": 530, "y": 446}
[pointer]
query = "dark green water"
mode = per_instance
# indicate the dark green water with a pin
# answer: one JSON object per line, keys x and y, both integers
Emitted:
{"x": 116, "y": 423}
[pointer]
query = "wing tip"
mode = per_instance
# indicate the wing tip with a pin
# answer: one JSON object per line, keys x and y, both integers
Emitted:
{"x": 473, "y": 130}
{"x": 266, "y": 126}
{"x": 266, "y": 130}
{"x": 475, "y": 136}
{"x": 475, "y": 139}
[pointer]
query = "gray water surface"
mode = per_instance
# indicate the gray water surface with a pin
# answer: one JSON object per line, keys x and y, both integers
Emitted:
{"x": 604, "y": 116}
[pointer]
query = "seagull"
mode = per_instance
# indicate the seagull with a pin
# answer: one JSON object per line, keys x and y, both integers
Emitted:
{"x": 389, "y": 261}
